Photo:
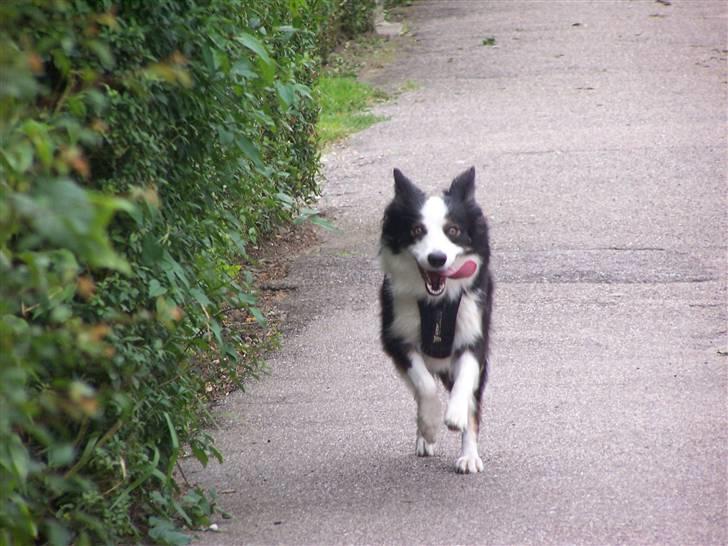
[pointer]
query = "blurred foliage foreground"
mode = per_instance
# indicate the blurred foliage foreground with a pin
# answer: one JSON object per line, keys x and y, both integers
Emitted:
{"x": 143, "y": 146}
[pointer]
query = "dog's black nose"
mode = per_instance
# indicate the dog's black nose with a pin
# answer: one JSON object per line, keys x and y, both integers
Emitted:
{"x": 437, "y": 259}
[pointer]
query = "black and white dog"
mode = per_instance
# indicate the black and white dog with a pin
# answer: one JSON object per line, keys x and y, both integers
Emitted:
{"x": 436, "y": 304}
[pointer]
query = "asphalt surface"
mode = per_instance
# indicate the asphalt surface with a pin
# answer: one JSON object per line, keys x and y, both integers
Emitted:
{"x": 598, "y": 133}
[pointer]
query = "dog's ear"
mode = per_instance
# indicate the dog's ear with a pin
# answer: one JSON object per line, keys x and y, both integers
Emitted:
{"x": 463, "y": 186}
{"x": 404, "y": 190}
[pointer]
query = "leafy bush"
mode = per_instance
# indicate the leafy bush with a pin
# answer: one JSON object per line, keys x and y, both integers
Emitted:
{"x": 143, "y": 147}
{"x": 343, "y": 20}
{"x": 356, "y": 17}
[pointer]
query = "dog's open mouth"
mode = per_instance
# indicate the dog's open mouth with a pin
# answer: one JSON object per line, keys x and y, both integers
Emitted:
{"x": 435, "y": 281}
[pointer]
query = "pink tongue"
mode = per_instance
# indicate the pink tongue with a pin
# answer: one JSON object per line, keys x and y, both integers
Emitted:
{"x": 467, "y": 269}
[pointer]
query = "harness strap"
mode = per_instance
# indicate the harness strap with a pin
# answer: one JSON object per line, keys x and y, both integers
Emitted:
{"x": 437, "y": 326}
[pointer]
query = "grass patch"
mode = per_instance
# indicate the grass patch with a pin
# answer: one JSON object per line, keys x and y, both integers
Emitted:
{"x": 344, "y": 102}
{"x": 408, "y": 85}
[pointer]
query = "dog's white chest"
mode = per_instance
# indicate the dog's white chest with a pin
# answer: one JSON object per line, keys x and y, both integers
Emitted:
{"x": 469, "y": 326}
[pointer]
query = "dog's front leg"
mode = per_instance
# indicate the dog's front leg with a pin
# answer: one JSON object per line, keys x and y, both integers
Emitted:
{"x": 428, "y": 404}
{"x": 462, "y": 411}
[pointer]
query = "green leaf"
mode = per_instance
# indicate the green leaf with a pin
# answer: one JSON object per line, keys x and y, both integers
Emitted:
{"x": 267, "y": 71}
{"x": 58, "y": 535}
{"x": 256, "y": 46}
{"x": 173, "y": 269}
{"x": 200, "y": 297}
{"x": 172, "y": 432}
{"x": 19, "y": 157}
{"x": 103, "y": 52}
{"x": 200, "y": 455}
{"x": 61, "y": 314}
{"x": 217, "y": 331}
{"x": 71, "y": 217}
{"x": 226, "y": 137}
{"x": 244, "y": 69}
{"x": 181, "y": 512}
{"x": 208, "y": 56}
{"x": 216, "y": 453}
{"x": 60, "y": 455}
{"x": 38, "y": 134}
{"x": 19, "y": 458}
{"x": 165, "y": 532}
{"x": 285, "y": 94}
{"x": 258, "y": 315}
{"x": 312, "y": 216}
{"x": 250, "y": 150}
{"x": 322, "y": 222}
{"x": 286, "y": 199}
{"x": 156, "y": 289}
{"x": 152, "y": 251}
{"x": 246, "y": 299}
{"x": 303, "y": 90}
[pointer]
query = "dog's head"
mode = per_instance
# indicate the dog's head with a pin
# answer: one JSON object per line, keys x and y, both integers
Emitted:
{"x": 441, "y": 239}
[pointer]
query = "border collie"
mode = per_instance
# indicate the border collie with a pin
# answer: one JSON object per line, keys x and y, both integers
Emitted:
{"x": 436, "y": 303}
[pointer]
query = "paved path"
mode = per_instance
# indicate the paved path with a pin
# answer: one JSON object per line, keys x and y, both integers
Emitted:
{"x": 598, "y": 131}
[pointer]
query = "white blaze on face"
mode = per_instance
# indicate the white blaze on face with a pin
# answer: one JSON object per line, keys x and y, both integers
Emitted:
{"x": 434, "y": 218}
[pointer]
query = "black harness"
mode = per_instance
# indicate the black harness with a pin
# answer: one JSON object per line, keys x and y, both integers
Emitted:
{"x": 437, "y": 326}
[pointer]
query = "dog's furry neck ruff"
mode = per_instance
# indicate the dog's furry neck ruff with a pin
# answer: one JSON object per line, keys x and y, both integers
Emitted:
{"x": 437, "y": 326}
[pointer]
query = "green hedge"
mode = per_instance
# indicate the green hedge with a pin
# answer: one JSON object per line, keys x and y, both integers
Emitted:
{"x": 143, "y": 146}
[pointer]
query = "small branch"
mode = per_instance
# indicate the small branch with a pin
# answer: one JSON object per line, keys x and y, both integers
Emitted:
{"x": 182, "y": 472}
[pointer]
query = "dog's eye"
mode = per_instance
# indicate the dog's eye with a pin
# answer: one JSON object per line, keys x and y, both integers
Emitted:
{"x": 418, "y": 230}
{"x": 452, "y": 231}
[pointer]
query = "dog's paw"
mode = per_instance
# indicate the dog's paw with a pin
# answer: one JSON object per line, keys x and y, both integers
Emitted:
{"x": 428, "y": 418}
{"x": 456, "y": 417}
{"x": 424, "y": 448}
{"x": 468, "y": 464}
